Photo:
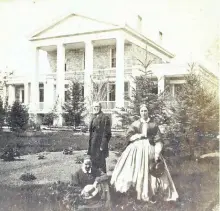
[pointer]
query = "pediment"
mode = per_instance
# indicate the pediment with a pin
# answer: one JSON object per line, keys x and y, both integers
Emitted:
{"x": 71, "y": 25}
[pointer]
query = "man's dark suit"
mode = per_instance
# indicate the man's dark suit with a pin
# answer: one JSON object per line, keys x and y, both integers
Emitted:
{"x": 100, "y": 134}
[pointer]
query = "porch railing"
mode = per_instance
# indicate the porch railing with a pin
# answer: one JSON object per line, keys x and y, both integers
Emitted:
{"x": 41, "y": 106}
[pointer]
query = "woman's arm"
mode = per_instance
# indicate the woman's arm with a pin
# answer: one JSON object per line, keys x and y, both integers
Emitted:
{"x": 132, "y": 133}
{"x": 158, "y": 143}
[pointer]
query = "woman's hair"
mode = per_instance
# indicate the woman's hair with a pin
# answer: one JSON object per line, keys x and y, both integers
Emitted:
{"x": 143, "y": 106}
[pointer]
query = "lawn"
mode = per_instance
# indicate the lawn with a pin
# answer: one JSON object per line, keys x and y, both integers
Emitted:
{"x": 196, "y": 181}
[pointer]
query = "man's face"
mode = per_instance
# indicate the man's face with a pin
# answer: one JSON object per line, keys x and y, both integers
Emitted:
{"x": 87, "y": 165}
{"x": 96, "y": 108}
{"x": 144, "y": 113}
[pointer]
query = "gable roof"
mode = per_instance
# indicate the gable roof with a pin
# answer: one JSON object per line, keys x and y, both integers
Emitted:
{"x": 79, "y": 22}
{"x": 82, "y": 24}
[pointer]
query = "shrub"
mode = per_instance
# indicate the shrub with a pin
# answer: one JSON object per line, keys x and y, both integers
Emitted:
{"x": 18, "y": 117}
{"x": 9, "y": 153}
{"x": 49, "y": 118}
{"x": 27, "y": 177}
{"x": 66, "y": 194}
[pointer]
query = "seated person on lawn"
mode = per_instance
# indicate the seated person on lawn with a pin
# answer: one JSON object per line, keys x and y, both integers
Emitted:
{"x": 91, "y": 183}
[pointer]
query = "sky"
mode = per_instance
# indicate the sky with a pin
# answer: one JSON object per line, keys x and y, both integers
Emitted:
{"x": 189, "y": 26}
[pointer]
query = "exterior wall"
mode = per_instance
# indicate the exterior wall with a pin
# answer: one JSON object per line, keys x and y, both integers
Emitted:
{"x": 209, "y": 79}
{"x": 75, "y": 60}
{"x": 101, "y": 58}
{"x": 52, "y": 59}
{"x": 140, "y": 53}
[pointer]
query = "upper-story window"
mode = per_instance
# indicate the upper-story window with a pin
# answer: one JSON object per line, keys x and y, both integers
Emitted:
{"x": 113, "y": 57}
{"x": 41, "y": 93}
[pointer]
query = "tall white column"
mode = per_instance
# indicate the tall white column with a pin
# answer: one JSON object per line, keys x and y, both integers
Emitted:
{"x": 11, "y": 94}
{"x": 60, "y": 81}
{"x": 119, "y": 71}
{"x": 88, "y": 70}
{"x": 161, "y": 84}
{"x": 35, "y": 85}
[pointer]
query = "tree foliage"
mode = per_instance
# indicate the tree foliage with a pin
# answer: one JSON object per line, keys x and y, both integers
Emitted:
{"x": 144, "y": 91}
{"x": 18, "y": 117}
{"x": 74, "y": 106}
{"x": 194, "y": 110}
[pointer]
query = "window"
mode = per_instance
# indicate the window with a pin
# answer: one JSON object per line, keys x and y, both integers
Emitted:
{"x": 84, "y": 60}
{"x": 22, "y": 95}
{"x": 66, "y": 92}
{"x": 113, "y": 57}
{"x": 155, "y": 90}
{"x": 41, "y": 93}
{"x": 178, "y": 88}
{"x": 83, "y": 91}
{"x": 111, "y": 92}
{"x": 19, "y": 94}
{"x": 126, "y": 90}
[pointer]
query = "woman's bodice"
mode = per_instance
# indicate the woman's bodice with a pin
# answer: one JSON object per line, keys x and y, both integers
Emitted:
{"x": 149, "y": 129}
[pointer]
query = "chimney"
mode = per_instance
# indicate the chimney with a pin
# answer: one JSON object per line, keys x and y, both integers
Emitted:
{"x": 139, "y": 23}
{"x": 160, "y": 38}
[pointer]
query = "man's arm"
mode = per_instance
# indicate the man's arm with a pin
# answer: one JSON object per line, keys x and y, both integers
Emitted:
{"x": 106, "y": 133}
{"x": 76, "y": 182}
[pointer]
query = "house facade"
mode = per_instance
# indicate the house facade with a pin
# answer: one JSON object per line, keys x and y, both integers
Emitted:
{"x": 83, "y": 48}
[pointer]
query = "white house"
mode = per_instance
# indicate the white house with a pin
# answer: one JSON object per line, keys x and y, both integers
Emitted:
{"x": 81, "y": 47}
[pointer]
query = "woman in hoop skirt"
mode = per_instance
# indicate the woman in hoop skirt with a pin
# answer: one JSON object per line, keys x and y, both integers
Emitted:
{"x": 132, "y": 168}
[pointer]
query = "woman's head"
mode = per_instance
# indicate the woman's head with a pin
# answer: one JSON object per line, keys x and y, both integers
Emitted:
{"x": 144, "y": 111}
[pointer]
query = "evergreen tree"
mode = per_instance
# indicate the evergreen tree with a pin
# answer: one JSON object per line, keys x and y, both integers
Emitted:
{"x": 2, "y": 114}
{"x": 74, "y": 106}
{"x": 18, "y": 117}
{"x": 195, "y": 110}
{"x": 143, "y": 92}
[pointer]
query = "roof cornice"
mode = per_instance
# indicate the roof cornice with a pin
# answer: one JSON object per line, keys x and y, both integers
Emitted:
{"x": 148, "y": 41}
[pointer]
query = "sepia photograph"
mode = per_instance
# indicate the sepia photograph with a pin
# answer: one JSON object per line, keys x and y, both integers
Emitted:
{"x": 109, "y": 105}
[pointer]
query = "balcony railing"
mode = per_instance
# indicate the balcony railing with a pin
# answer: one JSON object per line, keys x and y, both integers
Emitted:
{"x": 108, "y": 105}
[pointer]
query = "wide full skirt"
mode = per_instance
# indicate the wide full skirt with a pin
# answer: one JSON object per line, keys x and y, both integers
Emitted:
{"x": 132, "y": 170}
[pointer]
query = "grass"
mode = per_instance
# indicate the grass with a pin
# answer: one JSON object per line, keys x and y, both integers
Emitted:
{"x": 52, "y": 142}
{"x": 196, "y": 182}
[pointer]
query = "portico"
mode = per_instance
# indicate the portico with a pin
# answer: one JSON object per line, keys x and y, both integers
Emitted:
{"x": 84, "y": 48}
{"x": 61, "y": 73}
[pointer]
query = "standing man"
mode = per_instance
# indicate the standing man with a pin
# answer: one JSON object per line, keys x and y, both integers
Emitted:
{"x": 99, "y": 136}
